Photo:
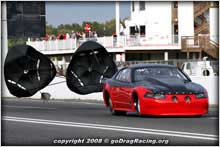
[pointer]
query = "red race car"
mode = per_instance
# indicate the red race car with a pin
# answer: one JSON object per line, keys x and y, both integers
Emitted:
{"x": 154, "y": 89}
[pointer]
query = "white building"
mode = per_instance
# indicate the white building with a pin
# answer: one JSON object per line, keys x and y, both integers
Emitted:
{"x": 154, "y": 31}
{"x": 165, "y": 25}
{"x": 153, "y": 20}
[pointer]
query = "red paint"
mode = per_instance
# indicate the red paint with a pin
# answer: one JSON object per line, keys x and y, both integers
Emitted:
{"x": 122, "y": 99}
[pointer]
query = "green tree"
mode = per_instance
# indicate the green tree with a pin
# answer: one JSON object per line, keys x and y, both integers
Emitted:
{"x": 18, "y": 41}
{"x": 110, "y": 27}
{"x": 102, "y": 29}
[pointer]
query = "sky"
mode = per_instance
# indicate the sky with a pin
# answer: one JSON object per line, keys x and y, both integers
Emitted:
{"x": 76, "y": 12}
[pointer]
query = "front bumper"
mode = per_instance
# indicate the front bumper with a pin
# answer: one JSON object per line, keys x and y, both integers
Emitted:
{"x": 169, "y": 107}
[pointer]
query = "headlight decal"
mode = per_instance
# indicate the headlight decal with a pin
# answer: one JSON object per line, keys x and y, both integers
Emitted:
{"x": 154, "y": 95}
{"x": 201, "y": 95}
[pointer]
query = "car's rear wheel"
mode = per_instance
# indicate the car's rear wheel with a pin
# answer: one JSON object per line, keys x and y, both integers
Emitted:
{"x": 114, "y": 112}
{"x": 137, "y": 106}
{"x": 199, "y": 115}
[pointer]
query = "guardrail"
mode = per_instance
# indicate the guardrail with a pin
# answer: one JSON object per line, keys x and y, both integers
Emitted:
{"x": 106, "y": 41}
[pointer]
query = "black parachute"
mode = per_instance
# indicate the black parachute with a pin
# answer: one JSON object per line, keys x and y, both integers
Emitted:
{"x": 27, "y": 71}
{"x": 90, "y": 64}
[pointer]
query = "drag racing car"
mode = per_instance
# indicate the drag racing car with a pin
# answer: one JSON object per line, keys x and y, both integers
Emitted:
{"x": 154, "y": 89}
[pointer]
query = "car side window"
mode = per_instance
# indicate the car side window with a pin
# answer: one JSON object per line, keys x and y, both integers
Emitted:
{"x": 124, "y": 75}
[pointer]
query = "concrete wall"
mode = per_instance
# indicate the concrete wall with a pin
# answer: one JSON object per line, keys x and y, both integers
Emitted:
{"x": 211, "y": 85}
{"x": 61, "y": 91}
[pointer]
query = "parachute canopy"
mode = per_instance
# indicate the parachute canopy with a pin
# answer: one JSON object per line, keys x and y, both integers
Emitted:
{"x": 27, "y": 71}
{"x": 90, "y": 64}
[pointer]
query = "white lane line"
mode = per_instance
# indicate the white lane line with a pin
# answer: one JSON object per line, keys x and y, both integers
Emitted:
{"x": 213, "y": 118}
{"x": 114, "y": 128}
{"x": 29, "y": 107}
{"x": 166, "y": 131}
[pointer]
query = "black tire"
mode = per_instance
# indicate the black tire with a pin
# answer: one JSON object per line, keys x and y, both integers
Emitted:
{"x": 118, "y": 112}
{"x": 114, "y": 112}
{"x": 198, "y": 116}
{"x": 110, "y": 105}
{"x": 137, "y": 106}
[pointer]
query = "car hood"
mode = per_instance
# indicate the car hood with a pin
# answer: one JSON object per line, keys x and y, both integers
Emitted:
{"x": 170, "y": 85}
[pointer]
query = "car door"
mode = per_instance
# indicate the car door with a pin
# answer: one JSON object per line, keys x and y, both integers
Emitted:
{"x": 115, "y": 90}
{"x": 124, "y": 89}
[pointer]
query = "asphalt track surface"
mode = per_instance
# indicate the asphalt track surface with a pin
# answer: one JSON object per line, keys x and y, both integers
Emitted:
{"x": 34, "y": 122}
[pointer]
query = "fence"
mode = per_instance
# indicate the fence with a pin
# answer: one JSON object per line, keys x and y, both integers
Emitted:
{"x": 106, "y": 41}
{"x": 178, "y": 63}
{"x": 53, "y": 45}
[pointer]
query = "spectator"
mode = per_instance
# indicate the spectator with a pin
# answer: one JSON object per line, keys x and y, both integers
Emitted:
{"x": 91, "y": 34}
{"x": 53, "y": 37}
{"x": 73, "y": 35}
{"x": 61, "y": 37}
{"x": 46, "y": 38}
{"x": 64, "y": 36}
{"x": 83, "y": 35}
{"x": 78, "y": 35}
{"x": 95, "y": 34}
{"x": 67, "y": 35}
{"x": 58, "y": 36}
{"x": 121, "y": 30}
{"x": 87, "y": 29}
{"x": 114, "y": 39}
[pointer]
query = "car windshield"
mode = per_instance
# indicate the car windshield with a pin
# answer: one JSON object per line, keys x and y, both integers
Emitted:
{"x": 158, "y": 72}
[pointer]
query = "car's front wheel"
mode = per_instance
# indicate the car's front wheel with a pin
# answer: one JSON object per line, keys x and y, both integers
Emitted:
{"x": 114, "y": 112}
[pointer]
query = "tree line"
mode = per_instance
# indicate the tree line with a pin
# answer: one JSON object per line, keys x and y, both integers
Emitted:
{"x": 102, "y": 29}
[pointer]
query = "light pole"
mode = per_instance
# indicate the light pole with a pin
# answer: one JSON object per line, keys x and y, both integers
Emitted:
{"x": 4, "y": 45}
{"x": 4, "y": 35}
{"x": 117, "y": 17}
